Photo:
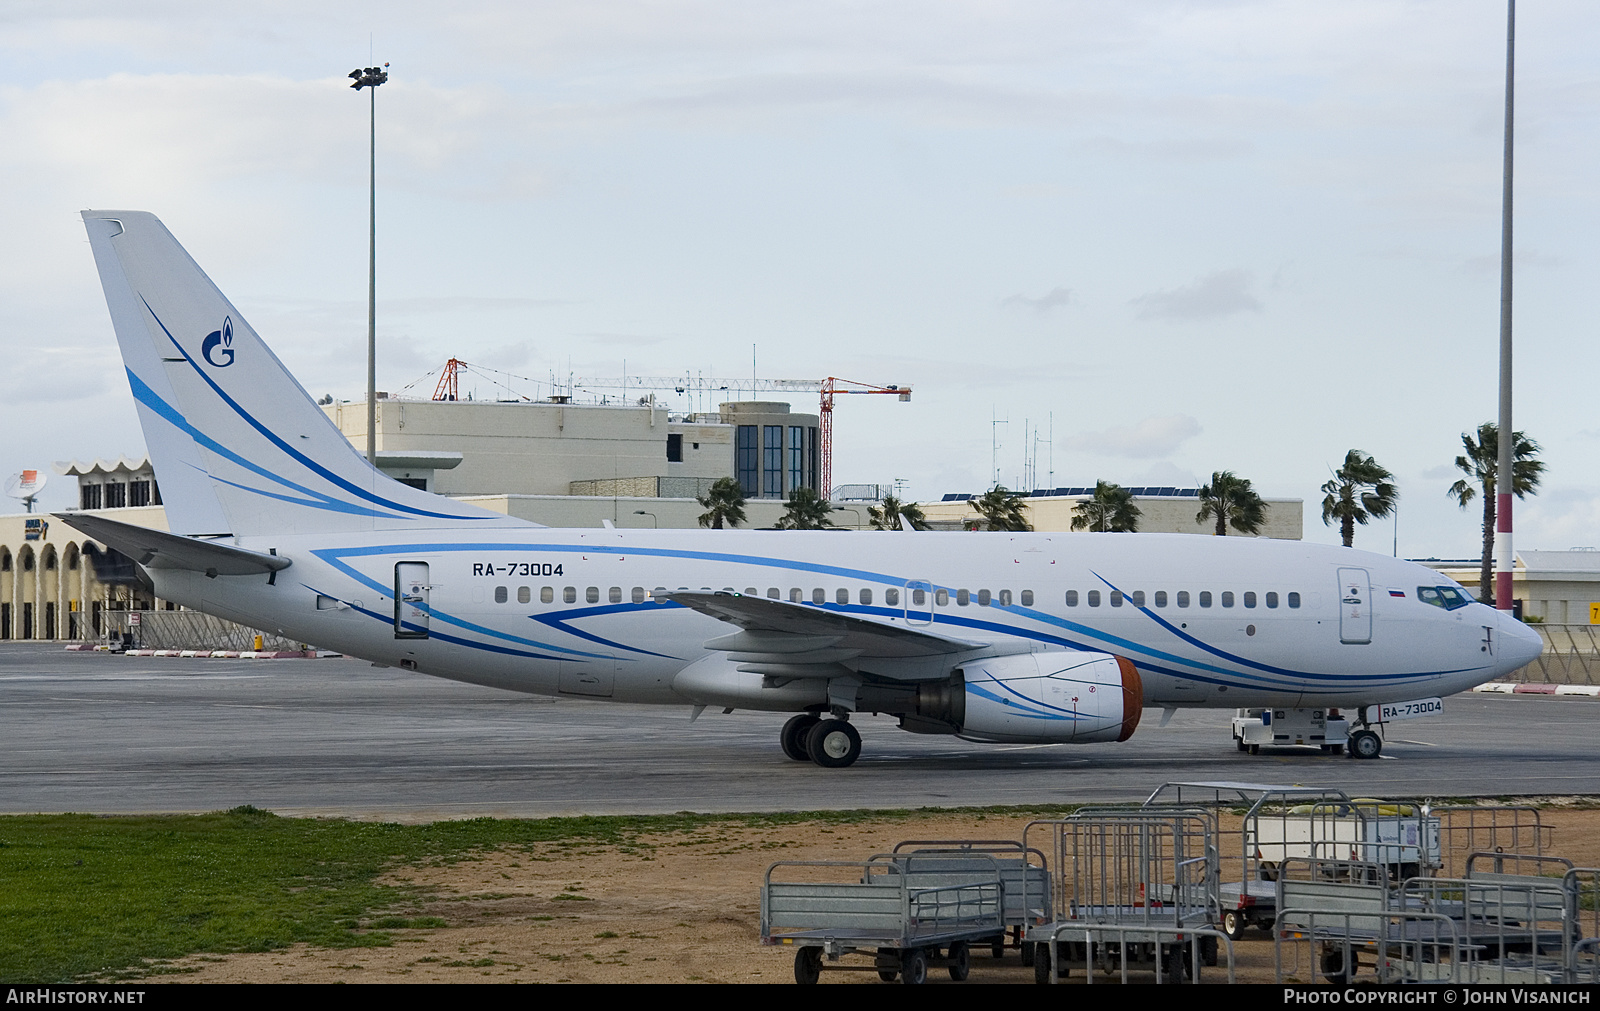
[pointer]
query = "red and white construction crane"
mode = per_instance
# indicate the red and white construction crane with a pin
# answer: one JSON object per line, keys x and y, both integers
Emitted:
{"x": 827, "y": 389}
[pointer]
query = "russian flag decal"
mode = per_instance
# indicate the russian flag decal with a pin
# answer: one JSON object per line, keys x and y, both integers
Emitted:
{"x": 1397, "y": 593}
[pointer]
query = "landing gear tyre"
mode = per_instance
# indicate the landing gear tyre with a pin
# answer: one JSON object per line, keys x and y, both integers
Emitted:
{"x": 1365, "y": 744}
{"x": 1233, "y": 924}
{"x": 834, "y": 744}
{"x": 914, "y": 966}
{"x": 1254, "y": 749}
{"x": 960, "y": 961}
{"x": 1337, "y": 749}
{"x": 807, "y": 964}
{"x": 1239, "y": 741}
{"x": 794, "y": 734}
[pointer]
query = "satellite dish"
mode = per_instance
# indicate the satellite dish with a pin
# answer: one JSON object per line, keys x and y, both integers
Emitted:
{"x": 26, "y": 486}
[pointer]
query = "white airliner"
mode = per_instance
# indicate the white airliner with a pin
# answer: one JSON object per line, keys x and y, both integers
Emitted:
{"x": 278, "y": 523}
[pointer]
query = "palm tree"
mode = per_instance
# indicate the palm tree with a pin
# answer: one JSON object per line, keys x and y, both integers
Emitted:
{"x": 724, "y": 504}
{"x": 1111, "y": 509}
{"x": 894, "y": 512}
{"x": 1000, "y": 509}
{"x": 1232, "y": 502}
{"x": 1348, "y": 499}
{"x": 807, "y": 511}
{"x": 1481, "y": 464}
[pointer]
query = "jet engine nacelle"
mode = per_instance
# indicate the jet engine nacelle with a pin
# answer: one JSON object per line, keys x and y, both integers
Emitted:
{"x": 1051, "y": 697}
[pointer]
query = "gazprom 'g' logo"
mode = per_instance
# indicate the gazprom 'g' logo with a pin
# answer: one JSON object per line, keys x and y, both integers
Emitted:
{"x": 218, "y": 346}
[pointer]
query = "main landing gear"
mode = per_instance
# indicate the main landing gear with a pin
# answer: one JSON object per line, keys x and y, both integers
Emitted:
{"x": 830, "y": 742}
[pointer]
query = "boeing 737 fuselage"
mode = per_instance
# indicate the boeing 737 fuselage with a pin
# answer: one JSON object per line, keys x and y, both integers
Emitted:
{"x": 279, "y": 524}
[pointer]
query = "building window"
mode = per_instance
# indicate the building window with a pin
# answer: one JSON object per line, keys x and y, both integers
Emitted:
{"x": 419, "y": 483}
{"x": 812, "y": 455}
{"x": 138, "y": 493}
{"x": 772, "y": 461}
{"x": 746, "y": 460}
{"x": 89, "y": 496}
{"x": 797, "y": 457}
{"x": 116, "y": 495}
{"x": 674, "y": 449}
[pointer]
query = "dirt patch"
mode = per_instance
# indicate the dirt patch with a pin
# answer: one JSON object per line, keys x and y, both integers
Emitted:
{"x": 675, "y": 908}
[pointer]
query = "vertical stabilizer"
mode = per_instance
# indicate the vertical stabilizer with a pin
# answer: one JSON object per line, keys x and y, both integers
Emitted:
{"x": 237, "y": 445}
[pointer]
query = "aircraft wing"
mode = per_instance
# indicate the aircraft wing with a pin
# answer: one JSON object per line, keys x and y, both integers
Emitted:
{"x": 780, "y": 638}
{"x": 158, "y": 549}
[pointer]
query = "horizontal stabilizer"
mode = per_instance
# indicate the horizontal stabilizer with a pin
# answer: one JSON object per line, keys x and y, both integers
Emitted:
{"x": 156, "y": 549}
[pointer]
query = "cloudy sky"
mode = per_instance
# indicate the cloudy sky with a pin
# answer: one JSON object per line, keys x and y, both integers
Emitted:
{"x": 1178, "y": 236}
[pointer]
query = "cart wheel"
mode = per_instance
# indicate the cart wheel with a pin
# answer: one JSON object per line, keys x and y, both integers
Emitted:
{"x": 887, "y": 976}
{"x": 913, "y": 966}
{"x": 1174, "y": 964}
{"x": 1041, "y": 963}
{"x": 1333, "y": 968}
{"x": 1233, "y": 924}
{"x": 997, "y": 948}
{"x": 1027, "y": 949}
{"x": 794, "y": 734}
{"x": 807, "y": 964}
{"x": 1208, "y": 951}
{"x": 960, "y": 960}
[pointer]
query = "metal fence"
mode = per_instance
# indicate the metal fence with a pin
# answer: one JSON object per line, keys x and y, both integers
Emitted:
{"x": 191, "y": 630}
{"x": 1571, "y": 656}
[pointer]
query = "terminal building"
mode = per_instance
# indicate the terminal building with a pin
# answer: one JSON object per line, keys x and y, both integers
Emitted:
{"x": 1161, "y": 510}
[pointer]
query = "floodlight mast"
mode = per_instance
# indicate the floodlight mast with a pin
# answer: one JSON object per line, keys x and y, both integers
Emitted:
{"x": 371, "y": 77}
{"x": 1505, "y": 489}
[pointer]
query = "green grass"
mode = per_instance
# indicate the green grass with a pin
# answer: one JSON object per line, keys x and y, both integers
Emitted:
{"x": 83, "y": 896}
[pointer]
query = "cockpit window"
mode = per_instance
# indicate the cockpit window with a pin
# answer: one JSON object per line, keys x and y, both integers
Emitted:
{"x": 1447, "y": 597}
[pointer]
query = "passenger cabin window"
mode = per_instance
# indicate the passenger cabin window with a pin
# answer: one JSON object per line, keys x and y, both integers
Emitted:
{"x": 1161, "y": 598}
{"x": 842, "y": 595}
{"x": 865, "y": 597}
{"x": 547, "y": 594}
{"x": 1116, "y": 598}
{"x": 1027, "y": 598}
{"x": 592, "y": 595}
{"x": 615, "y": 596}
{"x": 941, "y": 597}
{"x": 1294, "y": 600}
{"x": 1205, "y": 598}
{"x": 524, "y": 594}
{"x": 1138, "y": 598}
{"x": 819, "y": 596}
{"x": 891, "y": 597}
{"x": 570, "y": 594}
{"x": 984, "y": 598}
{"x": 1272, "y": 599}
{"x": 1250, "y": 599}
{"x": 919, "y": 598}
{"x": 1072, "y": 598}
{"x": 1005, "y": 598}
{"x": 499, "y": 595}
{"x": 796, "y": 595}
{"x": 1094, "y": 598}
{"x": 638, "y": 594}
{"x": 750, "y": 591}
{"x": 1227, "y": 598}
{"x": 773, "y": 593}
{"x": 1183, "y": 598}
{"x": 963, "y": 598}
